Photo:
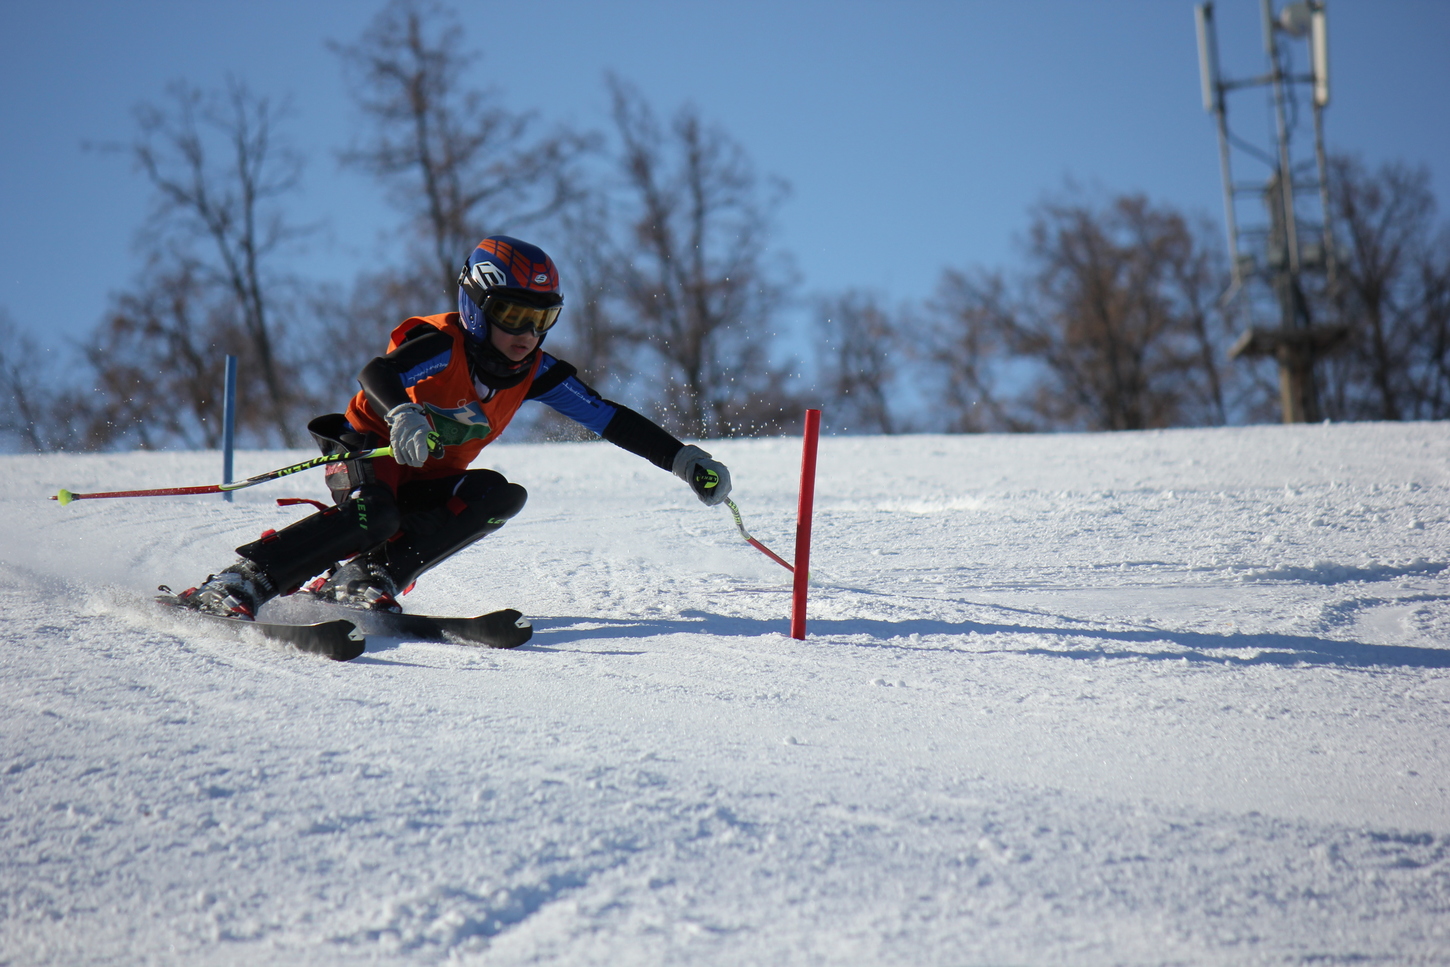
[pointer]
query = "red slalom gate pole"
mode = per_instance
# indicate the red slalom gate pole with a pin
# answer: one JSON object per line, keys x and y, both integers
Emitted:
{"x": 803, "y": 525}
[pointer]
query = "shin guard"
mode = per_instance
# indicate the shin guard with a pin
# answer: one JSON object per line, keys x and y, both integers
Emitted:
{"x": 313, "y": 544}
{"x": 483, "y": 503}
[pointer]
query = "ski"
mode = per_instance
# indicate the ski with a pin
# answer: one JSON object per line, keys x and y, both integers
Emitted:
{"x": 338, "y": 639}
{"x": 497, "y": 629}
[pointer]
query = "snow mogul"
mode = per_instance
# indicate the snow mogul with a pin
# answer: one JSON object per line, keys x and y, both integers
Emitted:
{"x": 446, "y": 388}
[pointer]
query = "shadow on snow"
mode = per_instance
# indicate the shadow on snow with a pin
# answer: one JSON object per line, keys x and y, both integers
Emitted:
{"x": 1083, "y": 644}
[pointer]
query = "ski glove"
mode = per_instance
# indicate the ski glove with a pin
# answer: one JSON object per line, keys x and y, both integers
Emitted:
{"x": 410, "y": 434}
{"x": 707, "y": 478}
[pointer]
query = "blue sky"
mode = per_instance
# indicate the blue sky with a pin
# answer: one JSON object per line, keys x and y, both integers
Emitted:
{"x": 915, "y": 134}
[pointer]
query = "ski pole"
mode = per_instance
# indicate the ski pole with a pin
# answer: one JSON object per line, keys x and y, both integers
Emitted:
{"x": 65, "y": 496}
{"x": 735, "y": 511}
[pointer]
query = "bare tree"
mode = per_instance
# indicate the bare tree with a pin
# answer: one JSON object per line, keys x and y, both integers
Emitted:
{"x": 1109, "y": 318}
{"x": 458, "y": 164}
{"x": 354, "y": 322}
{"x": 160, "y": 363}
{"x": 698, "y": 285}
{"x": 967, "y": 343}
{"x": 218, "y": 171}
{"x": 37, "y": 412}
{"x": 591, "y": 333}
{"x": 1393, "y": 292}
{"x": 1113, "y": 326}
{"x": 860, "y": 344}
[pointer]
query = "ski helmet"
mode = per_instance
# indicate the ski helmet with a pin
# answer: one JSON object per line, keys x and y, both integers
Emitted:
{"x": 509, "y": 284}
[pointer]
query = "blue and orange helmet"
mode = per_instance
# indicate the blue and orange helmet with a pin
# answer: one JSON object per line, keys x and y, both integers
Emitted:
{"x": 509, "y": 284}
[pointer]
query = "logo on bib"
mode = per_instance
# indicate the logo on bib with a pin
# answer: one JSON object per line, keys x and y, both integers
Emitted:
{"x": 460, "y": 424}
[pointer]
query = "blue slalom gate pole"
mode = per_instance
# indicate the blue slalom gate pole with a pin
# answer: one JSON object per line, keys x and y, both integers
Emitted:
{"x": 229, "y": 424}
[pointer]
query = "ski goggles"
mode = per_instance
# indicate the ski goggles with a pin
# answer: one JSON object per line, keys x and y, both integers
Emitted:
{"x": 519, "y": 318}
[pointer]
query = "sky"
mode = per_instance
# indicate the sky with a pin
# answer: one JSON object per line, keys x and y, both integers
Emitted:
{"x": 915, "y": 135}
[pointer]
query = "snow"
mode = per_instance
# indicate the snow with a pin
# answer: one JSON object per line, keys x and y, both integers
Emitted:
{"x": 1152, "y": 698}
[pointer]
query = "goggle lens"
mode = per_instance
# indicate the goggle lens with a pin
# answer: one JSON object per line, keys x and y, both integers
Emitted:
{"x": 516, "y": 318}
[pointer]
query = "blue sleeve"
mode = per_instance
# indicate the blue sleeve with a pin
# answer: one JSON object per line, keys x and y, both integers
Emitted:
{"x": 572, "y": 397}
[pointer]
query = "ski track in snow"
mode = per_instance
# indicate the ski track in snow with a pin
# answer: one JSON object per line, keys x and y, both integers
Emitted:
{"x": 1149, "y": 698}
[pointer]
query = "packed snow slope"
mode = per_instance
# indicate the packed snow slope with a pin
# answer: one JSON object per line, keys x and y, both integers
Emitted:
{"x": 1146, "y": 698}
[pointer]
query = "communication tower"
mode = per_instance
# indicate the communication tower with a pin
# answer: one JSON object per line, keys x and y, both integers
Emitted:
{"x": 1292, "y": 244}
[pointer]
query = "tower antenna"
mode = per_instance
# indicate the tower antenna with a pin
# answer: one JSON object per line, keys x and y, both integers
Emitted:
{"x": 1279, "y": 253}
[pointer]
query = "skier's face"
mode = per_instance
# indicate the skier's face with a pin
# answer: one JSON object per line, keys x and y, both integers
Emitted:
{"x": 514, "y": 346}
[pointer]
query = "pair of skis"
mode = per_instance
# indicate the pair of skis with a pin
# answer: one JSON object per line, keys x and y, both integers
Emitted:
{"x": 345, "y": 638}
{"x": 336, "y": 637}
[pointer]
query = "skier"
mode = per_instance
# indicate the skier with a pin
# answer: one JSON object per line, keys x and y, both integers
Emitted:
{"x": 447, "y": 386}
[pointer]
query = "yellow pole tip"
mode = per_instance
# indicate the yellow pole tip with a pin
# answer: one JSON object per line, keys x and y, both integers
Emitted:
{"x": 65, "y": 497}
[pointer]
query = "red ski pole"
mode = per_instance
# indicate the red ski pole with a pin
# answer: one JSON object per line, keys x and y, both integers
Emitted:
{"x": 65, "y": 496}
{"x": 740, "y": 525}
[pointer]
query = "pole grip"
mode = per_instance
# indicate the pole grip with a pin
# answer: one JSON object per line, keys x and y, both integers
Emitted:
{"x": 803, "y": 525}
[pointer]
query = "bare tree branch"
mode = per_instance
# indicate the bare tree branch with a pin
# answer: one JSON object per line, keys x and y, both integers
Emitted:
{"x": 1394, "y": 271}
{"x": 860, "y": 344}
{"x": 26, "y": 403}
{"x": 458, "y": 164}
{"x": 218, "y": 170}
{"x": 696, "y": 276}
{"x": 1114, "y": 326}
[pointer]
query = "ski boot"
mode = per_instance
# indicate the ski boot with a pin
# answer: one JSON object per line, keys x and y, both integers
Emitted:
{"x": 360, "y": 583}
{"x": 236, "y": 592}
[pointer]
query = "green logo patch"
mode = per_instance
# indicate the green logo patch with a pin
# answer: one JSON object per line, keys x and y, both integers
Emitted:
{"x": 457, "y": 426}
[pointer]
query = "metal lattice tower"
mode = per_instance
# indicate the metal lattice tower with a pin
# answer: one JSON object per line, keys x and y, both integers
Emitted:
{"x": 1290, "y": 245}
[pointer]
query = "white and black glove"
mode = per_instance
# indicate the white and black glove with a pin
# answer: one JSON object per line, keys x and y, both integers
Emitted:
{"x": 707, "y": 478}
{"x": 410, "y": 435}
